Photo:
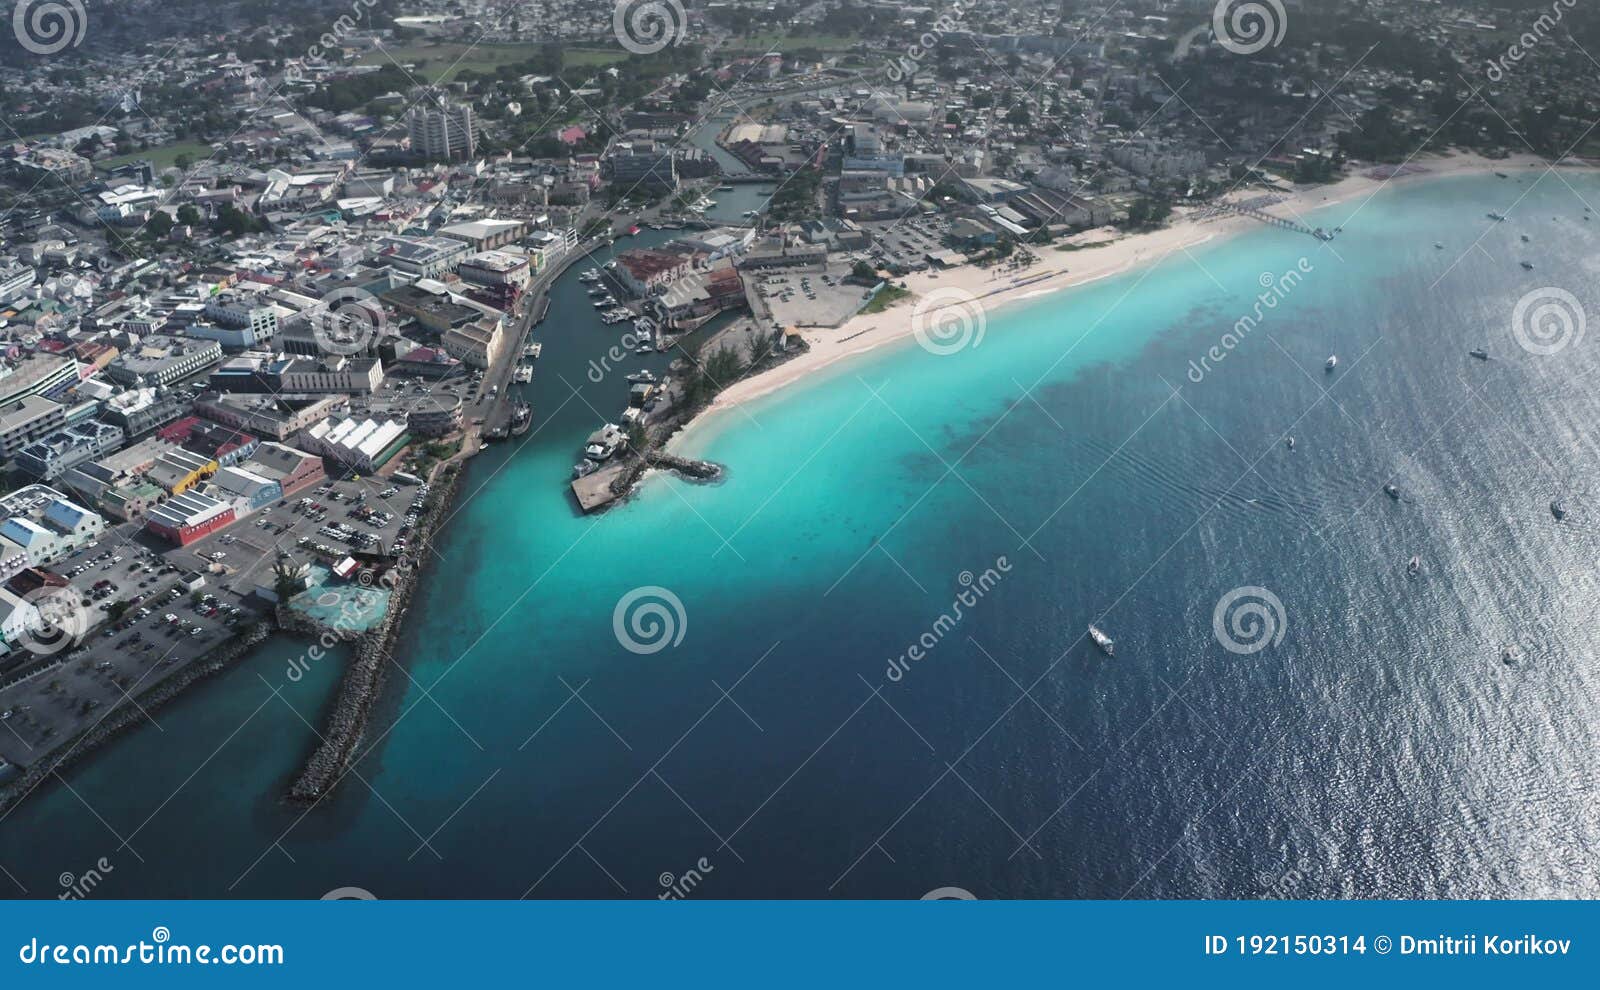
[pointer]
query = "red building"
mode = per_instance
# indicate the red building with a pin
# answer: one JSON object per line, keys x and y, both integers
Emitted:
{"x": 190, "y": 516}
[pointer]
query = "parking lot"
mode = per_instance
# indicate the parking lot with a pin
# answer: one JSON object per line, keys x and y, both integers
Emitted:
{"x": 811, "y": 298}
{"x": 333, "y": 519}
{"x": 163, "y": 624}
{"x": 164, "y": 627}
{"x": 903, "y": 246}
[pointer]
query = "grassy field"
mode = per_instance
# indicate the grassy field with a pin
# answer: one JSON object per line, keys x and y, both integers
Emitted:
{"x": 161, "y": 158}
{"x": 445, "y": 61}
{"x": 779, "y": 41}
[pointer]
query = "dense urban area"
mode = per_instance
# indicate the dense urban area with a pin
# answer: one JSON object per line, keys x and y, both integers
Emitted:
{"x": 271, "y": 272}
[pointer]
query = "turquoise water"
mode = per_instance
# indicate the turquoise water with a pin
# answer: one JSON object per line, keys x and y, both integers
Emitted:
{"x": 1379, "y": 748}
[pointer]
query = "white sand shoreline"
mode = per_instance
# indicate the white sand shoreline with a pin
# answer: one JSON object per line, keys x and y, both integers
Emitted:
{"x": 1058, "y": 271}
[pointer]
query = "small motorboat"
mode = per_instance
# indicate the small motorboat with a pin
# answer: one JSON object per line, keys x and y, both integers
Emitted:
{"x": 1479, "y": 353}
{"x": 1439, "y": 245}
{"x": 1290, "y": 443}
{"x": 1391, "y": 491}
{"x": 1107, "y": 645}
{"x": 1414, "y": 566}
{"x": 1558, "y": 510}
{"x": 1510, "y": 654}
{"x": 1525, "y": 239}
{"x": 1332, "y": 362}
{"x": 1527, "y": 266}
{"x": 1497, "y": 217}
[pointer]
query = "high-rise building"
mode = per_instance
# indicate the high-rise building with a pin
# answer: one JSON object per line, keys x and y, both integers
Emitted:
{"x": 448, "y": 131}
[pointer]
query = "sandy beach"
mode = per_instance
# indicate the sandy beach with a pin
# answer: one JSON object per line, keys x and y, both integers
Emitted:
{"x": 981, "y": 292}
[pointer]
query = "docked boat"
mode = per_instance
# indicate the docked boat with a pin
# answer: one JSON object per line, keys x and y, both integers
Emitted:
{"x": 1333, "y": 362}
{"x": 584, "y": 468}
{"x": 590, "y": 275}
{"x": 1391, "y": 491}
{"x": 523, "y": 375}
{"x": 1479, "y": 353}
{"x": 642, "y": 378}
{"x": 533, "y": 350}
{"x": 643, "y": 349}
{"x": 724, "y": 189}
{"x": 1557, "y": 509}
{"x": 1502, "y": 175}
{"x": 1107, "y": 645}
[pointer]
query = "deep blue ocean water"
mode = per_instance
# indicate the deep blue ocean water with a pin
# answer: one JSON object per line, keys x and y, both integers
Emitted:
{"x": 1380, "y": 748}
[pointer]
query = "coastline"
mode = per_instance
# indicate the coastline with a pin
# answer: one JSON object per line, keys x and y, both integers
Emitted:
{"x": 125, "y": 717}
{"x": 1105, "y": 253}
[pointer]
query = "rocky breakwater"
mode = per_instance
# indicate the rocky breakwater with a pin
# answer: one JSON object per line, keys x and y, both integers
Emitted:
{"x": 703, "y": 471}
{"x": 351, "y": 714}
